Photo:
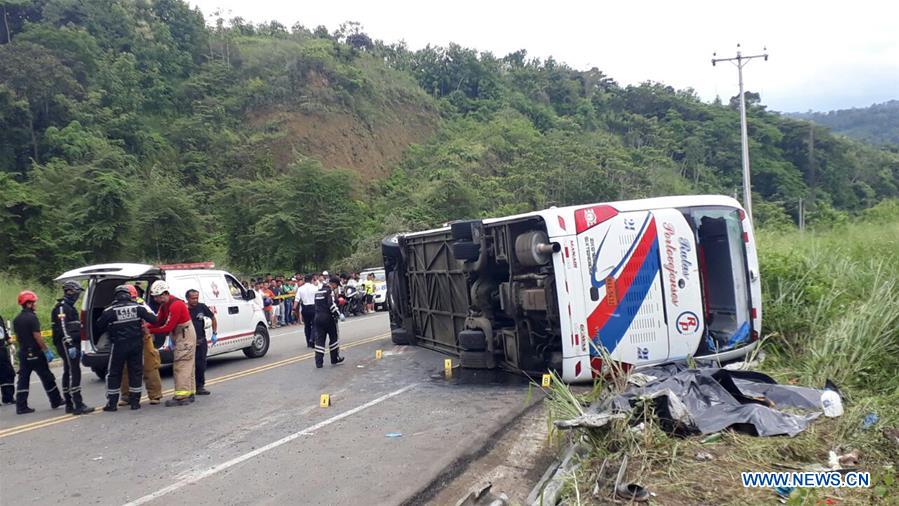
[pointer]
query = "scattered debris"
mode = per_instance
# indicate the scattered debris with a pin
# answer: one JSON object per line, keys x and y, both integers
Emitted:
{"x": 892, "y": 435}
{"x": 547, "y": 490}
{"x": 784, "y": 492}
{"x": 743, "y": 365}
{"x": 703, "y": 456}
{"x": 97, "y": 458}
{"x": 360, "y": 366}
{"x": 639, "y": 379}
{"x": 831, "y": 403}
{"x": 846, "y": 460}
{"x": 480, "y": 495}
{"x": 870, "y": 420}
{"x": 711, "y": 438}
{"x": 589, "y": 420}
{"x": 600, "y": 478}
{"x": 394, "y": 434}
{"x": 629, "y": 491}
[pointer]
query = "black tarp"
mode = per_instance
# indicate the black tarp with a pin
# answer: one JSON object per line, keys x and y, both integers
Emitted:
{"x": 711, "y": 399}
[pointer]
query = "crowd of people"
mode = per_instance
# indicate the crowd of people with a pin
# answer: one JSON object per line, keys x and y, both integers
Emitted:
{"x": 281, "y": 295}
{"x": 317, "y": 301}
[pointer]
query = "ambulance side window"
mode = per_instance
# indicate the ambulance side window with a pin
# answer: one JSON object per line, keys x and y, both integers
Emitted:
{"x": 235, "y": 288}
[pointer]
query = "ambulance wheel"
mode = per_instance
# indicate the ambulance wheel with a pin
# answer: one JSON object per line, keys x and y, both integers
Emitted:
{"x": 260, "y": 344}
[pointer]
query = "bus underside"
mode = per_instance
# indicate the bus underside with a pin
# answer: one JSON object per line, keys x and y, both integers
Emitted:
{"x": 483, "y": 292}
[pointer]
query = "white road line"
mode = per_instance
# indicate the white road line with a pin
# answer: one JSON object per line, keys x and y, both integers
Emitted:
{"x": 197, "y": 476}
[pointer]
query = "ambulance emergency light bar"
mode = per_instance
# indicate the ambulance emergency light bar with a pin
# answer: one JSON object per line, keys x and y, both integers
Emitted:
{"x": 188, "y": 266}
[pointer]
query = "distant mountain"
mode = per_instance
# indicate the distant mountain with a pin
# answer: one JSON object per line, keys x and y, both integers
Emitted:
{"x": 878, "y": 123}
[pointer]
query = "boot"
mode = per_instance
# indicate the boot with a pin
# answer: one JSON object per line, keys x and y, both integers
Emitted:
{"x": 338, "y": 360}
{"x": 22, "y": 404}
{"x": 184, "y": 401}
{"x": 111, "y": 402}
{"x": 79, "y": 407}
{"x": 56, "y": 400}
{"x": 70, "y": 408}
{"x": 134, "y": 400}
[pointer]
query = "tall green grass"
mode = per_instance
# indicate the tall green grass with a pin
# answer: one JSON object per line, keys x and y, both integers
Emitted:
{"x": 10, "y": 287}
{"x": 831, "y": 303}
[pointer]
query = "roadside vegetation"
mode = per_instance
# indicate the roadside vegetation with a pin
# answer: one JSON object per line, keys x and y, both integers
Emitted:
{"x": 831, "y": 311}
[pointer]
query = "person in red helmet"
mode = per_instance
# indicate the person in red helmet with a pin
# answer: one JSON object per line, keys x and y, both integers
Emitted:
{"x": 152, "y": 380}
{"x": 34, "y": 355}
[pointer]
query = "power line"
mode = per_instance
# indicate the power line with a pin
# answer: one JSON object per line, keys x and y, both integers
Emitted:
{"x": 741, "y": 61}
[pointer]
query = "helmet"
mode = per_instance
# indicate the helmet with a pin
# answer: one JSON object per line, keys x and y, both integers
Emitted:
{"x": 122, "y": 292}
{"x": 72, "y": 285}
{"x": 27, "y": 296}
{"x": 334, "y": 280}
{"x": 159, "y": 287}
{"x": 325, "y": 274}
{"x": 132, "y": 290}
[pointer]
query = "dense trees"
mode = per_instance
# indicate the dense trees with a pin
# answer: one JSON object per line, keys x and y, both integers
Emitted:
{"x": 878, "y": 123}
{"x": 131, "y": 130}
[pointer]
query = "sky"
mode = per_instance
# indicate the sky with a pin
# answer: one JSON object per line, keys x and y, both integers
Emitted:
{"x": 823, "y": 55}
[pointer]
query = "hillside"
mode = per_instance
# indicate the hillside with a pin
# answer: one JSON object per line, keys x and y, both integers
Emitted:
{"x": 877, "y": 124}
{"x": 132, "y": 130}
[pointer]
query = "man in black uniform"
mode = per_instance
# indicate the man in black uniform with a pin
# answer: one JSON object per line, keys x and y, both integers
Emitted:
{"x": 326, "y": 316}
{"x": 198, "y": 311}
{"x": 123, "y": 319}
{"x": 7, "y": 373}
{"x": 67, "y": 340}
{"x": 34, "y": 355}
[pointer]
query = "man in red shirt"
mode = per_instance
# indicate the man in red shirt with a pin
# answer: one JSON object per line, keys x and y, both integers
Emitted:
{"x": 173, "y": 317}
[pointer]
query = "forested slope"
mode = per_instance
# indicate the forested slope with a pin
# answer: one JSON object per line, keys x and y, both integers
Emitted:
{"x": 131, "y": 130}
{"x": 878, "y": 123}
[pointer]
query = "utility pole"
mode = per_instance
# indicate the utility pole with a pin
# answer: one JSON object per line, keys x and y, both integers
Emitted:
{"x": 740, "y": 61}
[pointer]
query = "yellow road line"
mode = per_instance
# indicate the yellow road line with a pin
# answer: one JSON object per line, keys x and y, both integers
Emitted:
{"x": 18, "y": 429}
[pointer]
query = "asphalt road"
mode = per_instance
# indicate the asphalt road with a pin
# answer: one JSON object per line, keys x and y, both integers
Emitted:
{"x": 261, "y": 437}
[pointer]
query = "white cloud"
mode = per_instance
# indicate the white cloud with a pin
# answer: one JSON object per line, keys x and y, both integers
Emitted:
{"x": 823, "y": 55}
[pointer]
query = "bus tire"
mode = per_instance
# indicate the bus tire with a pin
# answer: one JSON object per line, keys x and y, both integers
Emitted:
{"x": 472, "y": 340}
{"x": 467, "y": 251}
{"x": 400, "y": 337}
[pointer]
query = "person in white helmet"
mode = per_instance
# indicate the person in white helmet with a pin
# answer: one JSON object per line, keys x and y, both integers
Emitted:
{"x": 174, "y": 318}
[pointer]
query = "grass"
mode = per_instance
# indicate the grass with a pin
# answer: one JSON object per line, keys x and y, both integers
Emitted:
{"x": 831, "y": 311}
{"x": 9, "y": 290}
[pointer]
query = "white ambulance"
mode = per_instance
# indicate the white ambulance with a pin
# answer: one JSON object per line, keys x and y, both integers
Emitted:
{"x": 636, "y": 282}
{"x": 241, "y": 322}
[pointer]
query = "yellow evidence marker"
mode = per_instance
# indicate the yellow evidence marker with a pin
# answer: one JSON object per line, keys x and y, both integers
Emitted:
{"x": 547, "y": 380}
{"x": 448, "y": 367}
{"x": 379, "y": 354}
{"x": 325, "y": 401}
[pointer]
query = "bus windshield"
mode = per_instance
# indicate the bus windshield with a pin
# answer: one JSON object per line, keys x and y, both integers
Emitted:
{"x": 725, "y": 277}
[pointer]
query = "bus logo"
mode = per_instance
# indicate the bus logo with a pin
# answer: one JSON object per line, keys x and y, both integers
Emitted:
{"x": 687, "y": 322}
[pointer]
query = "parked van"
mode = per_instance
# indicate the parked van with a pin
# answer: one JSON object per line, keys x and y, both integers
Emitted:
{"x": 636, "y": 283}
{"x": 380, "y": 298}
{"x": 241, "y": 322}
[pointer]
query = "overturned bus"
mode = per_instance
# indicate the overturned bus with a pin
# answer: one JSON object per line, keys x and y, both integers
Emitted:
{"x": 570, "y": 289}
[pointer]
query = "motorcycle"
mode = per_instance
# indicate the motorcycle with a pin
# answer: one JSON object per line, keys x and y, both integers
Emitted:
{"x": 354, "y": 301}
